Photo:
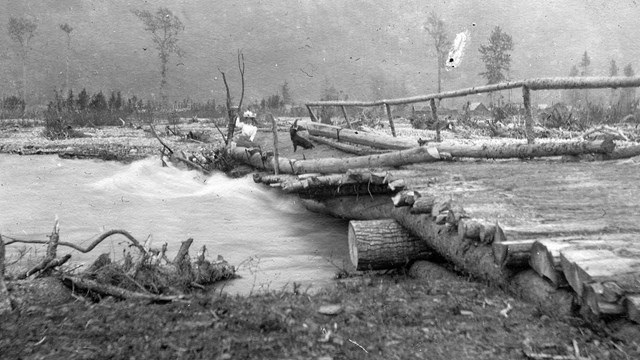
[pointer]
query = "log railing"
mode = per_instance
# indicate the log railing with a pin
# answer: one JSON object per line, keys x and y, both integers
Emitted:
{"x": 526, "y": 85}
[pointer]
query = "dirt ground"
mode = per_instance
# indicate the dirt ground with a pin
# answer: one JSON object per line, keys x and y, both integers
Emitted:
{"x": 369, "y": 317}
{"x": 432, "y": 315}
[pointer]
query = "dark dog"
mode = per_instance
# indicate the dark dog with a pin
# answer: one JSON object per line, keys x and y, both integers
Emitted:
{"x": 297, "y": 139}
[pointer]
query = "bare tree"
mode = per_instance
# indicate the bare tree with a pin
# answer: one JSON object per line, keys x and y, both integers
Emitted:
{"x": 436, "y": 29}
{"x": 231, "y": 112}
{"x": 67, "y": 29}
{"x": 22, "y": 30}
{"x": 164, "y": 27}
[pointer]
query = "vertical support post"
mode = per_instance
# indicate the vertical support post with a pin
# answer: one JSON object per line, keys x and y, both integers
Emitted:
{"x": 313, "y": 117}
{"x": 528, "y": 118}
{"x": 5, "y": 302}
{"x": 276, "y": 162}
{"x": 434, "y": 115}
{"x": 393, "y": 128}
{"x": 346, "y": 118}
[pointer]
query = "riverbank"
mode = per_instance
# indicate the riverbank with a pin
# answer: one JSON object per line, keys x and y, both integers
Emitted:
{"x": 124, "y": 144}
{"x": 442, "y": 316}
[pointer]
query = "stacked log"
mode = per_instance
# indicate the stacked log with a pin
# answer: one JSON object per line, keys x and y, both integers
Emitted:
{"x": 481, "y": 150}
{"x": 383, "y": 244}
{"x": 603, "y": 279}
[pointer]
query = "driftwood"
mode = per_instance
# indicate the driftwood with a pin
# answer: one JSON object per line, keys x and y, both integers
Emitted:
{"x": 383, "y": 244}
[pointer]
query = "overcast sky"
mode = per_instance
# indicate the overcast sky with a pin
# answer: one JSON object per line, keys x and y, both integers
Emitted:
{"x": 311, "y": 44}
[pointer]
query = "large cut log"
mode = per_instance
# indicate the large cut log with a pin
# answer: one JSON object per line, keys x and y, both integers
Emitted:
{"x": 582, "y": 267}
{"x": 545, "y": 253}
{"x": 600, "y": 301}
{"x": 383, "y": 244}
{"x": 545, "y": 260}
{"x": 359, "y": 137}
{"x": 351, "y": 149}
{"x": 255, "y": 158}
{"x": 475, "y": 260}
{"x": 480, "y": 150}
{"x": 523, "y": 150}
{"x": 514, "y": 253}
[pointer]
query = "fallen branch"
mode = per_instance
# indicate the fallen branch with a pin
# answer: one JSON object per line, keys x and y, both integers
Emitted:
{"x": 46, "y": 265}
{"x": 110, "y": 290}
{"x": 91, "y": 246}
{"x": 153, "y": 131}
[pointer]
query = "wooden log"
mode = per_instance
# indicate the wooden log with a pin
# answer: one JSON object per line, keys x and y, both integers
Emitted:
{"x": 533, "y": 84}
{"x": 351, "y": 149}
{"x": 254, "y": 158}
{"x": 359, "y": 137}
{"x": 405, "y": 198}
{"x": 383, "y": 244}
{"x": 582, "y": 266}
{"x": 522, "y": 150}
{"x": 487, "y": 233}
{"x": 594, "y": 298}
{"x": 513, "y": 253}
{"x": 545, "y": 260}
{"x": 423, "y": 204}
{"x": 528, "y": 119}
{"x": 632, "y": 305}
{"x": 480, "y": 150}
{"x": 478, "y": 261}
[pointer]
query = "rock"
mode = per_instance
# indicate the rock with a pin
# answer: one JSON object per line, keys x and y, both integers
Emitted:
{"x": 331, "y": 309}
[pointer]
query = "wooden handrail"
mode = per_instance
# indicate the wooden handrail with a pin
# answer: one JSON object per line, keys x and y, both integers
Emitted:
{"x": 533, "y": 84}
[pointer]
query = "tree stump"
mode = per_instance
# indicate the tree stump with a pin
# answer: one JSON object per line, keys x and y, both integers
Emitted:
{"x": 383, "y": 244}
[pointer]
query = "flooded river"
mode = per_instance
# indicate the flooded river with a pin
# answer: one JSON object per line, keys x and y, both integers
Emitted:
{"x": 269, "y": 235}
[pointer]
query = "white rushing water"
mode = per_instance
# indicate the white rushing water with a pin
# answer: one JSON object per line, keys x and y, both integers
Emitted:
{"x": 270, "y": 235}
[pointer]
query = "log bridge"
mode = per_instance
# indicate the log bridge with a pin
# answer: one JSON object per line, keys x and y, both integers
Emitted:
{"x": 563, "y": 235}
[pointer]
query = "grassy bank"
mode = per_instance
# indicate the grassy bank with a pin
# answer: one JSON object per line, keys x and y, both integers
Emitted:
{"x": 370, "y": 317}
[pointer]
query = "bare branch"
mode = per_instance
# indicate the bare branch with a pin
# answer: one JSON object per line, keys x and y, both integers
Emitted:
{"x": 95, "y": 243}
{"x": 241, "y": 68}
